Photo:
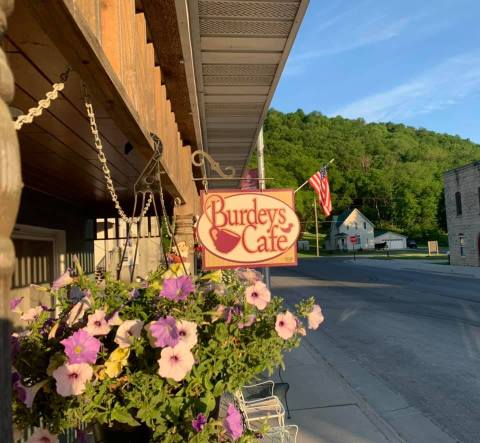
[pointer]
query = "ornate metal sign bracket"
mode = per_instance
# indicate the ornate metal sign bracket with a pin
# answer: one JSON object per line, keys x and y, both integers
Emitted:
{"x": 213, "y": 164}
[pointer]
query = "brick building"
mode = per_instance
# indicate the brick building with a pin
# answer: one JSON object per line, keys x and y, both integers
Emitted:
{"x": 462, "y": 202}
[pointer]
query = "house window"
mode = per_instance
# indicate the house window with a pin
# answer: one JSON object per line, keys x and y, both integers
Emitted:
{"x": 364, "y": 225}
{"x": 356, "y": 225}
{"x": 461, "y": 240}
{"x": 458, "y": 202}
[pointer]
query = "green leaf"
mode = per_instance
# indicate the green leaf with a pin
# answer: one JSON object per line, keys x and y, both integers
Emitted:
{"x": 121, "y": 415}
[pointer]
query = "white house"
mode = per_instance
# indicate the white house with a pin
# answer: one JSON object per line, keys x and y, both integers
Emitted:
{"x": 349, "y": 224}
{"x": 393, "y": 240}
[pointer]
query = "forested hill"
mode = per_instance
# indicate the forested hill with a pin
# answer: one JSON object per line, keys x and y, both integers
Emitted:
{"x": 391, "y": 172}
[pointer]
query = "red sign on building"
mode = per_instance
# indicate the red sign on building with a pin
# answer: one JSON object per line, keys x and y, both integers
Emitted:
{"x": 248, "y": 229}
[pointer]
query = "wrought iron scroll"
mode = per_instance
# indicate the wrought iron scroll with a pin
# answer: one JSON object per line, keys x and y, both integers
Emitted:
{"x": 213, "y": 164}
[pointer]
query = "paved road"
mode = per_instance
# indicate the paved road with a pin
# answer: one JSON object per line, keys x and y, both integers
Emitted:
{"x": 419, "y": 332}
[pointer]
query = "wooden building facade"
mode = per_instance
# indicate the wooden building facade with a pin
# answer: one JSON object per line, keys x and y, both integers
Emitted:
{"x": 195, "y": 74}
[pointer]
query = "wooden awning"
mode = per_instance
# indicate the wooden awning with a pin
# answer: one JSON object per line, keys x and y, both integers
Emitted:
{"x": 239, "y": 49}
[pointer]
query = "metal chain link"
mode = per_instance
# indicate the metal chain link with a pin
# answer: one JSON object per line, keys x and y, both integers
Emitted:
{"x": 44, "y": 103}
{"x": 106, "y": 170}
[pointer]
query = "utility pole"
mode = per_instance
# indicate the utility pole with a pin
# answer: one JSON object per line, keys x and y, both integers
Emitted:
{"x": 316, "y": 225}
{"x": 261, "y": 185}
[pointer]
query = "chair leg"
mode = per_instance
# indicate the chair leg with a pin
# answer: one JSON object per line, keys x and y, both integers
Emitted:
{"x": 286, "y": 392}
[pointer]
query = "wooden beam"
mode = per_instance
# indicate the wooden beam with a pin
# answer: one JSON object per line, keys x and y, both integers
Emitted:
{"x": 78, "y": 44}
{"x": 10, "y": 189}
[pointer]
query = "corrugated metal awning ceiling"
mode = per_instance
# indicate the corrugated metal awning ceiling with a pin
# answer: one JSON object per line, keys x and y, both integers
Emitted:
{"x": 239, "y": 50}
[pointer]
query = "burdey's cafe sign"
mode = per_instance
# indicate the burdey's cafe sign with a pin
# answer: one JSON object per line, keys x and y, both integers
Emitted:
{"x": 248, "y": 228}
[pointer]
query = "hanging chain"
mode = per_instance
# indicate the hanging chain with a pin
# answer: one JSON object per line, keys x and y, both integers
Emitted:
{"x": 44, "y": 103}
{"x": 105, "y": 169}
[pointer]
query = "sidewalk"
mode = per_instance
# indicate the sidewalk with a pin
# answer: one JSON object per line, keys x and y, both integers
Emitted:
{"x": 334, "y": 400}
{"x": 421, "y": 266}
{"x": 325, "y": 408}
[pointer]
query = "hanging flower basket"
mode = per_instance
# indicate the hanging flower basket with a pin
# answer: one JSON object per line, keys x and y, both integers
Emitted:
{"x": 152, "y": 358}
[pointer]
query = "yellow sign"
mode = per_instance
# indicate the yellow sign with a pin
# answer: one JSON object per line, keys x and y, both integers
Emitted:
{"x": 248, "y": 228}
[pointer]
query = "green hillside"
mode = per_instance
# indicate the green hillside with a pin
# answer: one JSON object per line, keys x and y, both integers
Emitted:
{"x": 391, "y": 172}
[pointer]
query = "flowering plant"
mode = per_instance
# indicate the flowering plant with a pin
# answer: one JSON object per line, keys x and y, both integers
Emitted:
{"x": 155, "y": 355}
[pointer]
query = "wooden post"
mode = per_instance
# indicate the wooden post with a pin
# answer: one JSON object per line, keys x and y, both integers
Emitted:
{"x": 10, "y": 189}
{"x": 316, "y": 225}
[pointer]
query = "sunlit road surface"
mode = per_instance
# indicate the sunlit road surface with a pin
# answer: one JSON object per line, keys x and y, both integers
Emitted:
{"x": 419, "y": 332}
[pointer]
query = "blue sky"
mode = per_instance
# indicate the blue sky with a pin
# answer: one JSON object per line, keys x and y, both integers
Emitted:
{"x": 415, "y": 62}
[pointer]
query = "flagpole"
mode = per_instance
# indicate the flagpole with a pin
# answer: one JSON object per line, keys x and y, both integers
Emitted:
{"x": 303, "y": 184}
{"x": 261, "y": 185}
{"x": 316, "y": 224}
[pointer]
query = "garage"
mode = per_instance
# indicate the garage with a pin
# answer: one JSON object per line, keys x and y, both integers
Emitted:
{"x": 392, "y": 240}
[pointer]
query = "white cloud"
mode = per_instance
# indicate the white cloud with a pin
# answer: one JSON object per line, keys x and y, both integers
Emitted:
{"x": 440, "y": 87}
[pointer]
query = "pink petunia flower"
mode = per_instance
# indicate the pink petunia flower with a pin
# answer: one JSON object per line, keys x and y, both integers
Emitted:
{"x": 114, "y": 319}
{"x": 175, "y": 362}
{"x": 258, "y": 295}
{"x": 249, "y": 275}
{"x": 32, "y": 314}
{"x": 187, "y": 332}
{"x": 249, "y": 322}
{"x": 218, "y": 313}
{"x": 72, "y": 378}
{"x": 163, "y": 332}
{"x": 315, "y": 318}
{"x": 81, "y": 347}
{"x": 177, "y": 289}
{"x": 42, "y": 436}
{"x": 97, "y": 323}
{"x": 233, "y": 423}
{"x": 127, "y": 332}
{"x": 78, "y": 311}
{"x": 286, "y": 325}
{"x": 64, "y": 280}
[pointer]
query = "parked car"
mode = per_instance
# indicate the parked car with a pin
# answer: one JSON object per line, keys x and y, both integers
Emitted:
{"x": 412, "y": 244}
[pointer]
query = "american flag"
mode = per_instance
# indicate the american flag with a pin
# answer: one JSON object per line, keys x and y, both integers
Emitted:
{"x": 319, "y": 182}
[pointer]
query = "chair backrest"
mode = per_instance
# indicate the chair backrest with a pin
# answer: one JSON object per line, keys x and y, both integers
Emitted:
{"x": 257, "y": 391}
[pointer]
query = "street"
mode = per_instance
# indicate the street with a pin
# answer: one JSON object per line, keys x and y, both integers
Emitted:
{"x": 419, "y": 332}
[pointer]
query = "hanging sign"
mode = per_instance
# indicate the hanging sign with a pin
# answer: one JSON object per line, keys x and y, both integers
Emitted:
{"x": 248, "y": 229}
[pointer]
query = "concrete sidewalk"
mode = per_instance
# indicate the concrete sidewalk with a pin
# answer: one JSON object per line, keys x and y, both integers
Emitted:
{"x": 325, "y": 407}
{"x": 334, "y": 400}
{"x": 420, "y": 266}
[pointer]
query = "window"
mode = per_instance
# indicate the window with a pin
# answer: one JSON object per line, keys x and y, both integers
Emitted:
{"x": 356, "y": 225}
{"x": 461, "y": 240}
{"x": 364, "y": 225}
{"x": 458, "y": 202}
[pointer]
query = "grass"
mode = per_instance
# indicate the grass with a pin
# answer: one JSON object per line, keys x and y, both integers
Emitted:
{"x": 411, "y": 254}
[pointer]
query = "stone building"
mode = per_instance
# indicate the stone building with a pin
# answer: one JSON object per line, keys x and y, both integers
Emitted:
{"x": 462, "y": 202}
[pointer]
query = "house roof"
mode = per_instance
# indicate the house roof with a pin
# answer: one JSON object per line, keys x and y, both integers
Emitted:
{"x": 345, "y": 214}
{"x": 379, "y": 232}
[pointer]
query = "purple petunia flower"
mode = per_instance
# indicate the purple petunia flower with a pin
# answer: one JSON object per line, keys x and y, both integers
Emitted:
{"x": 164, "y": 332}
{"x": 81, "y": 347}
{"x": 14, "y": 303}
{"x": 177, "y": 288}
{"x": 133, "y": 294}
{"x": 233, "y": 423}
{"x": 199, "y": 422}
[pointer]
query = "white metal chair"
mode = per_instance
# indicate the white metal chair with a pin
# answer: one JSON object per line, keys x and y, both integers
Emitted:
{"x": 284, "y": 434}
{"x": 260, "y": 406}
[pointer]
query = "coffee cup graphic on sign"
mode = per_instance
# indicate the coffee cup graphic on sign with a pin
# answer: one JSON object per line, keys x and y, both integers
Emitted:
{"x": 224, "y": 239}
